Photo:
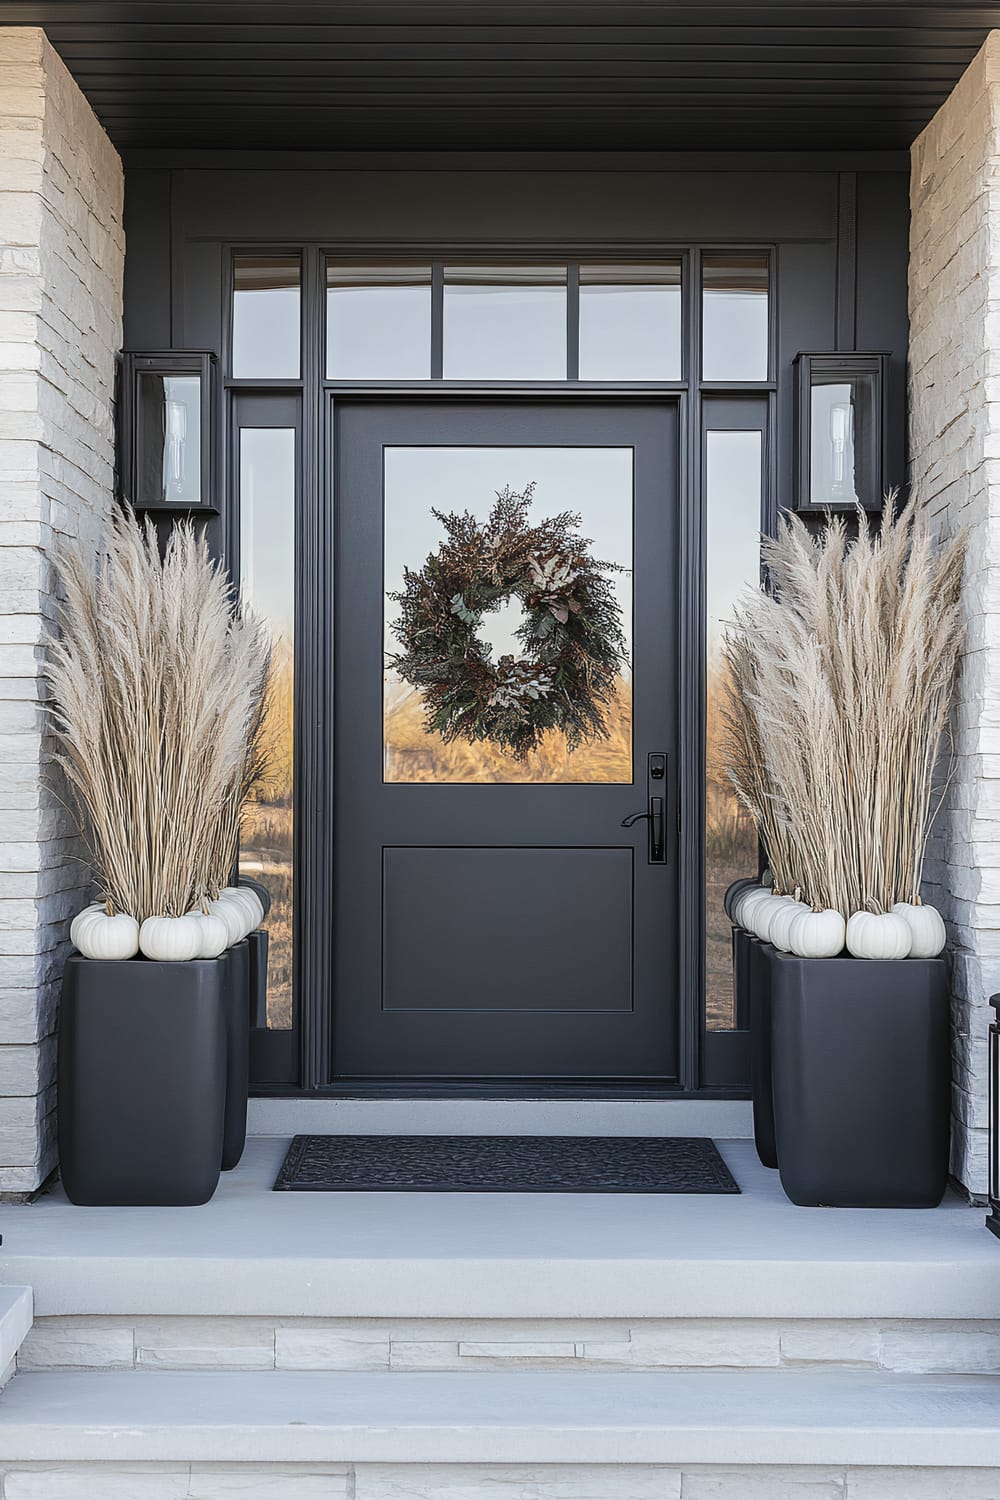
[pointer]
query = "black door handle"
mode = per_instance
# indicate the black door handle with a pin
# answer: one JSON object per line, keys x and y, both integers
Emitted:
{"x": 656, "y": 829}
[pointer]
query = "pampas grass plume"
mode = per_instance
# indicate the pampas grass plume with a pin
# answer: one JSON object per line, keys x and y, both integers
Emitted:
{"x": 159, "y": 686}
{"x": 841, "y": 676}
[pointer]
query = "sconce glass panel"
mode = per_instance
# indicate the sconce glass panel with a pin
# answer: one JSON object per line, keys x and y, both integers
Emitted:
{"x": 842, "y": 429}
{"x": 168, "y": 436}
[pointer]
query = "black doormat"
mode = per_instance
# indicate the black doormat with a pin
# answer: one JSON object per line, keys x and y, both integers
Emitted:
{"x": 503, "y": 1164}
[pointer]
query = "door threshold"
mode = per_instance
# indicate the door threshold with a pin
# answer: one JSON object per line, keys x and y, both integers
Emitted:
{"x": 572, "y": 1114}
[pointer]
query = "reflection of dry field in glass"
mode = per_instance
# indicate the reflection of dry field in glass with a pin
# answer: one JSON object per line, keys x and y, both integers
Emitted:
{"x": 414, "y": 756}
{"x": 411, "y": 754}
{"x": 266, "y": 844}
{"x": 730, "y": 854}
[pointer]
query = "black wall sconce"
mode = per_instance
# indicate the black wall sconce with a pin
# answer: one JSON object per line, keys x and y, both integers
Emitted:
{"x": 839, "y": 431}
{"x": 166, "y": 437}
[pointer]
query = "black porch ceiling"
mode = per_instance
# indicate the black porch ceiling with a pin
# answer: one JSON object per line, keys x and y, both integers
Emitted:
{"x": 513, "y": 74}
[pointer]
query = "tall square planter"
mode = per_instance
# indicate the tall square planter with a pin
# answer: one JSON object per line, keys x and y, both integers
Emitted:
{"x": 142, "y": 1080}
{"x": 861, "y": 1078}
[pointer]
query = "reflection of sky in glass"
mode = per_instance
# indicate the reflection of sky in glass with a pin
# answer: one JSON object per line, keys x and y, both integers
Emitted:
{"x": 515, "y": 332}
{"x": 379, "y": 332}
{"x": 266, "y": 322}
{"x": 630, "y": 332}
{"x": 267, "y": 523}
{"x": 733, "y": 499}
{"x": 734, "y": 317}
{"x": 596, "y": 482}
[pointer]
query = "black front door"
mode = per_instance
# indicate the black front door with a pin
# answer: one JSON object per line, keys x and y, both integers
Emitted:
{"x": 494, "y": 919}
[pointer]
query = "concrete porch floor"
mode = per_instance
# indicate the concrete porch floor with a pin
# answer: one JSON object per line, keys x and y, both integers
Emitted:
{"x": 254, "y": 1252}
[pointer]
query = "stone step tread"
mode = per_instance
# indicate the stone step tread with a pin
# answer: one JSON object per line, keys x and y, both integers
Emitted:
{"x": 16, "y": 1313}
{"x": 690, "y": 1418}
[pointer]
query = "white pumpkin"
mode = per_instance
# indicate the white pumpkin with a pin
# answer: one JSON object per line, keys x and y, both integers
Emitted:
{"x": 171, "y": 940}
{"x": 248, "y": 898}
{"x": 214, "y": 934}
{"x": 780, "y": 927}
{"x": 746, "y": 904}
{"x": 817, "y": 934}
{"x": 234, "y": 915}
{"x": 926, "y": 928}
{"x": 878, "y": 935}
{"x": 96, "y": 935}
{"x": 764, "y": 913}
{"x": 736, "y": 889}
{"x": 96, "y": 908}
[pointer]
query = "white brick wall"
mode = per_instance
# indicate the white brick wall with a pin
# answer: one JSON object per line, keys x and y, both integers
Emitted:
{"x": 61, "y": 260}
{"x": 954, "y": 298}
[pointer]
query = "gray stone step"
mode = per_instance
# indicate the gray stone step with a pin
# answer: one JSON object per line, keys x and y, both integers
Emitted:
{"x": 751, "y": 1418}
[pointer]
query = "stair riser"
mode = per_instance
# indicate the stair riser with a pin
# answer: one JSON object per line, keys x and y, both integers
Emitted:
{"x": 932, "y": 1346}
{"x": 69, "y": 1481}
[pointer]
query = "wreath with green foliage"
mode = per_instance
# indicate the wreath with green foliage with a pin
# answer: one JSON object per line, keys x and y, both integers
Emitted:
{"x": 572, "y": 646}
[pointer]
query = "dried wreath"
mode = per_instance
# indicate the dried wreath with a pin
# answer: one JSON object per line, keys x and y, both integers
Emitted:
{"x": 572, "y": 644}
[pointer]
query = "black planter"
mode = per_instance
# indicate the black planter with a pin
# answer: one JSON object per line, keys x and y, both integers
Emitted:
{"x": 237, "y": 998}
{"x": 142, "y": 1081}
{"x": 861, "y": 1068}
{"x": 258, "y": 977}
{"x": 758, "y": 982}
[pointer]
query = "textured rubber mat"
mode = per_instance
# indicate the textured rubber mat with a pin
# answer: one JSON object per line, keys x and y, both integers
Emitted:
{"x": 503, "y": 1164}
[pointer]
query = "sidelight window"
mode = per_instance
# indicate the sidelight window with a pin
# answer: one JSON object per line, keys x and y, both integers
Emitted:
{"x": 733, "y": 503}
{"x": 267, "y": 468}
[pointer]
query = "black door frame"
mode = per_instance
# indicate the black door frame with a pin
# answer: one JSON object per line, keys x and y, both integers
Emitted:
{"x": 314, "y": 661}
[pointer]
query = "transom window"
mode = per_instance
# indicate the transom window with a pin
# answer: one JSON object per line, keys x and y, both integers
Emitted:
{"x": 584, "y": 321}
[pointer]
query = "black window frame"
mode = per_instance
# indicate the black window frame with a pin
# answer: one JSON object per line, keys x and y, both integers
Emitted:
{"x": 712, "y": 1064}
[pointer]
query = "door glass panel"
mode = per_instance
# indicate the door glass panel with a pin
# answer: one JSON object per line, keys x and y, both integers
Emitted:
{"x": 378, "y": 322}
{"x": 734, "y": 317}
{"x": 267, "y": 468}
{"x": 505, "y": 322}
{"x": 733, "y": 482}
{"x": 630, "y": 322}
{"x": 472, "y": 664}
{"x": 266, "y": 317}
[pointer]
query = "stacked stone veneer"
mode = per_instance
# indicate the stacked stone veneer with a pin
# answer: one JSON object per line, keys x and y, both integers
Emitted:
{"x": 954, "y": 299}
{"x": 911, "y": 1346}
{"x": 433, "y": 1481}
{"x": 61, "y": 260}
